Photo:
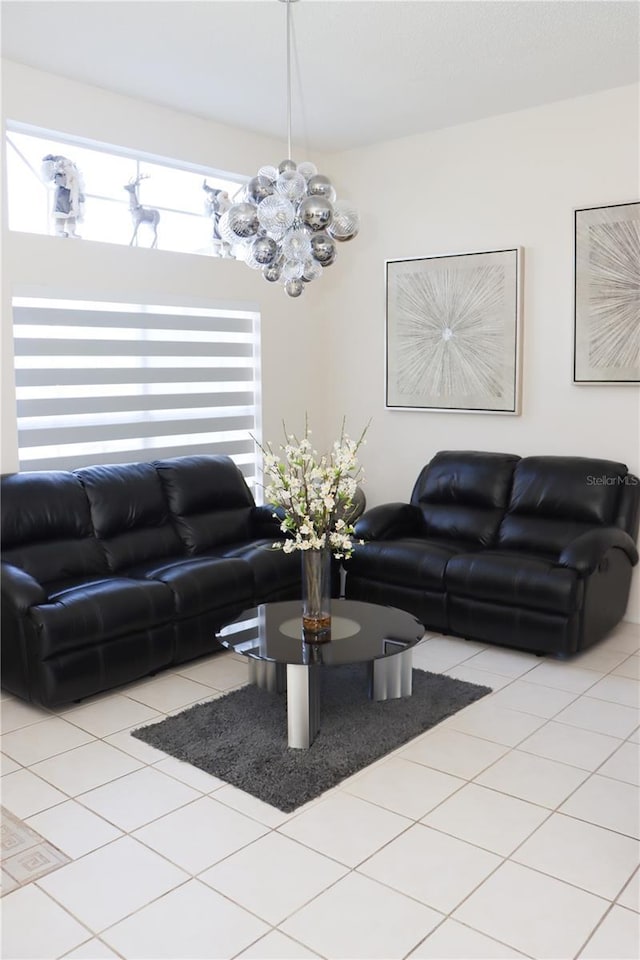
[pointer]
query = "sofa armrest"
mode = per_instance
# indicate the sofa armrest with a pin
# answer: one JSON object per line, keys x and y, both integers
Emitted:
{"x": 19, "y": 589}
{"x": 587, "y": 551}
{"x": 389, "y": 520}
{"x": 266, "y": 520}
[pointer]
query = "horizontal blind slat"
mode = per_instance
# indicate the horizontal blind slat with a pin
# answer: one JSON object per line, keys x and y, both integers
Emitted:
{"x": 233, "y": 428}
{"x": 102, "y": 361}
{"x": 171, "y": 442}
{"x": 168, "y": 375}
{"x": 67, "y": 331}
{"x": 218, "y": 405}
{"x": 154, "y": 321}
{"x": 52, "y": 350}
{"x": 220, "y": 418}
{"x": 140, "y": 455}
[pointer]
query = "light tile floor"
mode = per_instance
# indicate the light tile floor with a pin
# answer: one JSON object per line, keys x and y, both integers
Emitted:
{"x": 511, "y": 830}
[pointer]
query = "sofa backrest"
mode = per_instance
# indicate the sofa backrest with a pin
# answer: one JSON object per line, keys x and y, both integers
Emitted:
{"x": 129, "y": 513}
{"x": 209, "y": 500}
{"x": 462, "y": 495}
{"x": 555, "y": 499}
{"x": 46, "y": 526}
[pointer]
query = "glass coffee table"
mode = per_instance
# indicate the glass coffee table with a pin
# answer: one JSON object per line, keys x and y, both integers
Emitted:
{"x": 271, "y": 638}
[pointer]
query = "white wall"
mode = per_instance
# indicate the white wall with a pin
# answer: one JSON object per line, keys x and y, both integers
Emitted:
{"x": 57, "y": 267}
{"x": 512, "y": 180}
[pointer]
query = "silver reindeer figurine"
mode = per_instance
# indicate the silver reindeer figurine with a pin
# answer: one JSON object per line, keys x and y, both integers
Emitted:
{"x": 217, "y": 203}
{"x": 140, "y": 214}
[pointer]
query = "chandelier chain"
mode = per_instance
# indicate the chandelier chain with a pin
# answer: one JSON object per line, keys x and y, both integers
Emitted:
{"x": 289, "y": 80}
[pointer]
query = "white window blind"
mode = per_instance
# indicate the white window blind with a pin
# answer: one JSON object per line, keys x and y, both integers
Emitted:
{"x": 115, "y": 383}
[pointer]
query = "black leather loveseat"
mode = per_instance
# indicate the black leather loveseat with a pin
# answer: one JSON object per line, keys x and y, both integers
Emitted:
{"x": 110, "y": 573}
{"x": 534, "y": 553}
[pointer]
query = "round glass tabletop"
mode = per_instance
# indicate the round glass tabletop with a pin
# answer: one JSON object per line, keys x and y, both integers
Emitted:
{"x": 360, "y": 632}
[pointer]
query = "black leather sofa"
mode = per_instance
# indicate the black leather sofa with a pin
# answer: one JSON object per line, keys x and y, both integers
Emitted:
{"x": 534, "y": 553}
{"x": 110, "y": 573}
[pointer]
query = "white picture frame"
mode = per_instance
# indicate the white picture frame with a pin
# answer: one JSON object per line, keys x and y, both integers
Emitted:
{"x": 606, "y": 325}
{"x": 453, "y": 332}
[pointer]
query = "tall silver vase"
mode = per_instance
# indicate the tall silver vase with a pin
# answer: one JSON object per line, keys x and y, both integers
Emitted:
{"x": 316, "y": 594}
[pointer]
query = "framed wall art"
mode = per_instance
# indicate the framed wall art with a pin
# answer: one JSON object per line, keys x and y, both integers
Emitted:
{"x": 453, "y": 332}
{"x": 607, "y": 294}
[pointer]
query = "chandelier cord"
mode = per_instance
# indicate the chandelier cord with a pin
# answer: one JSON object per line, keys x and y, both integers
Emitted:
{"x": 288, "y": 3}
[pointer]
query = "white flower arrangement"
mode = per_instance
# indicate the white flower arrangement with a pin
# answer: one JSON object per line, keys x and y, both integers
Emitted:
{"x": 314, "y": 494}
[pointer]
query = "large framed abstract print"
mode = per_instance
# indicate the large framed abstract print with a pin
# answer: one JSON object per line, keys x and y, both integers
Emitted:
{"x": 453, "y": 332}
{"x": 607, "y": 294}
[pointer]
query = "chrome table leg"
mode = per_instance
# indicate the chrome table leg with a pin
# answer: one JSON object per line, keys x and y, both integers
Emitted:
{"x": 391, "y": 677}
{"x": 267, "y": 675}
{"x": 303, "y": 704}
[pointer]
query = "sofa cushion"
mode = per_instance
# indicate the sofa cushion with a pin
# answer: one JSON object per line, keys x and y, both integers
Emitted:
{"x": 273, "y": 571}
{"x": 515, "y": 580}
{"x": 46, "y": 526}
{"x": 542, "y": 536}
{"x": 462, "y": 494}
{"x": 100, "y": 610}
{"x": 201, "y": 584}
{"x": 555, "y": 499}
{"x": 209, "y": 500}
{"x": 411, "y": 562}
{"x": 129, "y": 513}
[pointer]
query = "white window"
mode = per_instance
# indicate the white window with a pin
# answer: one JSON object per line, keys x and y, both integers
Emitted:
{"x": 175, "y": 192}
{"x": 116, "y": 383}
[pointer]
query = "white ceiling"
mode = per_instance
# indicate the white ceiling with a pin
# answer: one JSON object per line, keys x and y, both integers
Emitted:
{"x": 364, "y": 70}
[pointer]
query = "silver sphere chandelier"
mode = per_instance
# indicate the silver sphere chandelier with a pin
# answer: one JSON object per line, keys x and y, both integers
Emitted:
{"x": 289, "y": 222}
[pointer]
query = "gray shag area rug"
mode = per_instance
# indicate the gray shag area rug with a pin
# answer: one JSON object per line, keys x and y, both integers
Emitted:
{"x": 242, "y": 737}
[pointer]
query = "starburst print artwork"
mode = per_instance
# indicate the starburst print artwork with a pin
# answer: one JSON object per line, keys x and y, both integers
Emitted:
{"x": 607, "y": 303}
{"x": 448, "y": 330}
{"x": 452, "y": 332}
